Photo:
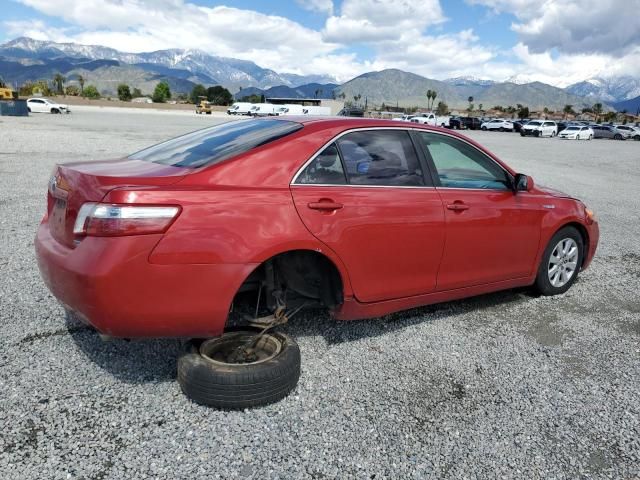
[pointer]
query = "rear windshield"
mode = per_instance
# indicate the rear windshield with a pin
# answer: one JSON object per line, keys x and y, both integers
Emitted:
{"x": 212, "y": 145}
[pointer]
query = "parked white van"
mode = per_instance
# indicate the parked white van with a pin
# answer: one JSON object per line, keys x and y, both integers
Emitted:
{"x": 290, "y": 109}
{"x": 263, "y": 109}
{"x": 239, "y": 108}
{"x": 316, "y": 110}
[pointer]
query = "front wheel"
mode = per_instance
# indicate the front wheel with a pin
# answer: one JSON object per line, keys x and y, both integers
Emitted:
{"x": 235, "y": 372}
{"x": 560, "y": 262}
{"x": 55, "y": 111}
{"x": 617, "y": 136}
{"x": 484, "y": 129}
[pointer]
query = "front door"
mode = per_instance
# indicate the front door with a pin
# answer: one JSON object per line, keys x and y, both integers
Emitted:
{"x": 366, "y": 197}
{"x": 492, "y": 233}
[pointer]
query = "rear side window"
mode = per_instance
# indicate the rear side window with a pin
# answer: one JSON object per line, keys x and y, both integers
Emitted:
{"x": 212, "y": 145}
{"x": 380, "y": 157}
{"x": 325, "y": 169}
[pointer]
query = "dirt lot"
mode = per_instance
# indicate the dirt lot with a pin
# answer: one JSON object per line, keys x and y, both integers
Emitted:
{"x": 500, "y": 386}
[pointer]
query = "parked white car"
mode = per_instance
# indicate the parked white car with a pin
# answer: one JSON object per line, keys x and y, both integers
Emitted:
{"x": 431, "y": 119}
{"x": 290, "y": 109}
{"x": 239, "y": 108}
{"x": 576, "y": 132}
{"x": 319, "y": 111}
{"x": 634, "y": 132}
{"x": 497, "y": 124}
{"x": 540, "y": 128}
{"x": 44, "y": 105}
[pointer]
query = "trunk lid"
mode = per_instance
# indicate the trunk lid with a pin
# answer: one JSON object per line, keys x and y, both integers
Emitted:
{"x": 74, "y": 184}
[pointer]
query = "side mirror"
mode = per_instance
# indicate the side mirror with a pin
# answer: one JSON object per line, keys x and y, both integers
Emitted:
{"x": 523, "y": 183}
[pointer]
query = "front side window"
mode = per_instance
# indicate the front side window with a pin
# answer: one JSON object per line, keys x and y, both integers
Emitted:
{"x": 209, "y": 146}
{"x": 325, "y": 169}
{"x": 459, "y": 165}
{"x": 380, "y": 157}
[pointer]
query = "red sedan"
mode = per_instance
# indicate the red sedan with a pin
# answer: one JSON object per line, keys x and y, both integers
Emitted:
{"x": 363, "y": 217}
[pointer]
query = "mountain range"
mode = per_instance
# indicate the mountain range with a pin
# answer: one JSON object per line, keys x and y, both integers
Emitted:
{"x": 232, "y": 73}
{"x": 26, "y": 59}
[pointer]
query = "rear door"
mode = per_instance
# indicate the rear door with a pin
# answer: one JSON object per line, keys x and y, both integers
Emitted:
{"x": 366, "y": 196}
{"x": 492, "y": 233}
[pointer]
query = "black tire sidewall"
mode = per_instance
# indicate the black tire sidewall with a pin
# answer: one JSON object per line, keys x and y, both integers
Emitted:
{"x": 239, "y": 386}
{"x": 543, "y": 284}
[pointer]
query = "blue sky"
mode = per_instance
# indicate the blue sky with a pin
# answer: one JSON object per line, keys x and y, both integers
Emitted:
{"x": 558, "y": 42}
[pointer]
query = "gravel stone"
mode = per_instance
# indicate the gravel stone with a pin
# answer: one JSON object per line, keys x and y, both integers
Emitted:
{"x": 506, "y": 385}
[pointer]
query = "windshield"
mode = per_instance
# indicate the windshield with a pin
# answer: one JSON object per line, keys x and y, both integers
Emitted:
{"x": 534, "y": 124}
{"x": 212, "y": 145}
{"x": 572, "y": 128}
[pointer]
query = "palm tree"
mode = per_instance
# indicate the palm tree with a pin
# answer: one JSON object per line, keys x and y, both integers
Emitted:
{"x": 428, "y": 97}
{"x": 434, "y": 94}
{"x": 58, "y": 81}
{"x": 81, "y": 82}
{"x": 480, "y": 108}
{"x": 597, "y": 109}
{"x": 568, "y": 110}
{"x": 470, "y": 100}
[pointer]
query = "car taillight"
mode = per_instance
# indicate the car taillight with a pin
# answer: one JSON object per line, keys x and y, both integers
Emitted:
{"x": 111, "y": 220}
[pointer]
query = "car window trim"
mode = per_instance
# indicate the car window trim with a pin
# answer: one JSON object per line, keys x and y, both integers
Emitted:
{"x": 436, "y": 178}
{"x": 428, "y": 180}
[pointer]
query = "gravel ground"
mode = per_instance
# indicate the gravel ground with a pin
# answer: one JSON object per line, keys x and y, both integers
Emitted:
{"x": 499, "y": 386}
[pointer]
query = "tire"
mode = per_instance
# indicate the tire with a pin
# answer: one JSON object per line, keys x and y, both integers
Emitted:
{"x": 484, "y": 129}
{"x": 536, "y": 133}
{"x": 636, "y": 138}
{"x": 237, "y": 385}
{"x": 617, "y": 136}
{"x": 55, "y": 111}
{"x": 28, "y": 110}
{"x": 543, "y": 282}
{"x": 522, "y": 133}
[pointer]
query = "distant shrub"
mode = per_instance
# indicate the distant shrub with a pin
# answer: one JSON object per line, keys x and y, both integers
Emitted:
{"x": 90, "y": 91}
{"x": 124, "y": 93}
{"x": 137, "y": 93}
{"x": 162, "y": 93}
{"x": 72, "y": 90}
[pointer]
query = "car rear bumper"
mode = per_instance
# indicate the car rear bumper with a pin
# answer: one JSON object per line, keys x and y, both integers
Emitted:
{"x": 110, "y": 284}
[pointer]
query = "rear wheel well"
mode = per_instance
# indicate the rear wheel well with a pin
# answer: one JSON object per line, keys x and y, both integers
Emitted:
{"x": 299, "y": 277}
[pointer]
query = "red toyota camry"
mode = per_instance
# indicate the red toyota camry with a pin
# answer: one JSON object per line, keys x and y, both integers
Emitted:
{"x": 363, "y": 217}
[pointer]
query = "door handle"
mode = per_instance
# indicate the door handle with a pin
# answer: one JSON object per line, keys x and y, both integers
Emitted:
{"x": 457, "y": 206}
{"x": 328, "y": 206}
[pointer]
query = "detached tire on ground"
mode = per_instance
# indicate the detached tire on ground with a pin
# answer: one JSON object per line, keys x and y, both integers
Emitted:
{"x": 210, "y": 373}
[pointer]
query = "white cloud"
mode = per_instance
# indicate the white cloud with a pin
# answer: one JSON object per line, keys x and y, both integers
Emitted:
{"x": 322, "y": 6}
{"x": 611, "y": 27}
{"x": 146, "y": 25}
{"x": 381, "y": 20}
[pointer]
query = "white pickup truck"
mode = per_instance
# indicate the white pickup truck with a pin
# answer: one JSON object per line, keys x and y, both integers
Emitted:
{"x": 431, "y": 119}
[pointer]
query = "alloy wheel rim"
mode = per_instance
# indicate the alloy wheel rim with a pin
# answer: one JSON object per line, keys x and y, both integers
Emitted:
{"x": 563, "y": 262}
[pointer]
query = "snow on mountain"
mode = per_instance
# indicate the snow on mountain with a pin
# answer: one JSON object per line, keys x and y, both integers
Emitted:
{"x": 611, "y": 89}
{"x": 468, "y": 80}
{"x": 230, "y": 72}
